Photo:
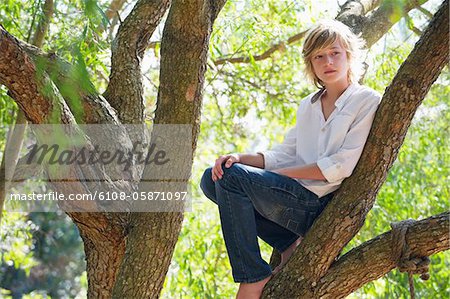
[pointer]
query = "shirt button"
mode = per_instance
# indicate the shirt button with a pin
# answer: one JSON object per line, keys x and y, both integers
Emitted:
{"x": 323, "y": 129}
{"x": 338, "y": 166}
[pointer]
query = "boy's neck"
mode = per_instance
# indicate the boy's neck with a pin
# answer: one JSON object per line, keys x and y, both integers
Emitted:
{"x": 334, "y": 91}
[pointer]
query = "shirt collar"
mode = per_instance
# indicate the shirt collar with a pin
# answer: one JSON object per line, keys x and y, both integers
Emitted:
{"x": 317, "y": 95}
{"x": 341, "y": 100}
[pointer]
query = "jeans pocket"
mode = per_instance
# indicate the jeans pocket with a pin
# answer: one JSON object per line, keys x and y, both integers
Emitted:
{"x": 298, "y": 220}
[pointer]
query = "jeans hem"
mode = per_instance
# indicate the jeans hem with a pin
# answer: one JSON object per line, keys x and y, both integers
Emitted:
{"x": 251, "y": 280}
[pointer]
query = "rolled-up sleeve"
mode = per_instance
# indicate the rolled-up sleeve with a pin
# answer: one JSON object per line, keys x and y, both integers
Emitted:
{"x": 283, "y": 154}
{"x": 340, "y": 165}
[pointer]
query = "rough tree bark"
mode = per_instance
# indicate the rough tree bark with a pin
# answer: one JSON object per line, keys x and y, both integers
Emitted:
{"x": 306, "y": 272}
{"x": 128, "y": 254}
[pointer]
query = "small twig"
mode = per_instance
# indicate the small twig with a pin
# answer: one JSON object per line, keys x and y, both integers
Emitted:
{"x": 32, "y": 20}
{"x": 118, "y": 17}
{"x": 425, "y": 12}
{"x": 281, "y": 46}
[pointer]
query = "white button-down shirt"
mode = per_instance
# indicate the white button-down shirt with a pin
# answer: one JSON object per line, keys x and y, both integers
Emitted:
{"x": 334, "y": 144}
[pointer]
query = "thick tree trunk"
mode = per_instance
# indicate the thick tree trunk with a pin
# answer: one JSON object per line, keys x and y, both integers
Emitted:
{"x": 104, "y": 254}
{"x": 148, "y": 254}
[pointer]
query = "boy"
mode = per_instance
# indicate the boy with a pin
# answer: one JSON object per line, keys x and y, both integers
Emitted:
{"x": 277, "y": 194}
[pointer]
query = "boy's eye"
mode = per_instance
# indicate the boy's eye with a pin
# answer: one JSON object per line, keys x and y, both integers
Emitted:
{"x": 317, "y": 56}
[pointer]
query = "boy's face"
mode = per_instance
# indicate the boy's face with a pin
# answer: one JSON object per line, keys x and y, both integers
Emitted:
{"x": 331, "y": 64}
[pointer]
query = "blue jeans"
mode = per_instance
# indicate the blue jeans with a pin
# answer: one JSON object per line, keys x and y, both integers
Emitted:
{"x": 255, "y": 202}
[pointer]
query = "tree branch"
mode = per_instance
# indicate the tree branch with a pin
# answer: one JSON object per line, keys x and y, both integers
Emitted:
{"x": 373, "y": 259}
{"x": 38, "y": 94}
{"x": 32, "y": 90}
{"x": 353, "y": 12}
{"x": 114, "y": 8}
{"x": 42, "y": 28}
{"x": 80, "y": 94}
{"x": 381, "y": 20}
{"x": 42, "y": 103}
{"x": 74, "y": 85}
{"x": 266, "y": 54}
{"x": 125, "y": 90}
{"x": 38, "y": 97}
{"x": 425, "y": 12}
{"x": 351, "y": 9}
{"x": 345, "y": 214}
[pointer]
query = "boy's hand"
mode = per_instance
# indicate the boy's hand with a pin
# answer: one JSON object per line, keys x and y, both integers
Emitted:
{"x": 217, "y": 171}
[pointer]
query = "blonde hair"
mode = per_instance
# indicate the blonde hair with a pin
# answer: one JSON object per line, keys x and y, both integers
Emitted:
{"x": 324, "y": 35}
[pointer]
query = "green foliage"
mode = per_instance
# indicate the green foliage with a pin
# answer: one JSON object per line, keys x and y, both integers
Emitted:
{"x": 8, "y": 110}
{"x": 15, "y": 250}
{"x": 246, "y": 107}
{"x": 15, "y": 233}
{"x": 200, "y": 243}
{"x": 59, "y": 250}
{"x": 41, "y": 254}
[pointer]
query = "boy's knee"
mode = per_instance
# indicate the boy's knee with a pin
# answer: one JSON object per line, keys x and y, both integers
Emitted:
{"x": 233, "y": 169}
{"x": 206, "y": 180}
{"x": 208, "y": 186}
{"x": 234, "y": 173}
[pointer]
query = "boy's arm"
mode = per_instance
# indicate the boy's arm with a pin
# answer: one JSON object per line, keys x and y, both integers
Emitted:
{"x": 306, "y": 172}
{"x": 255, "y": 160}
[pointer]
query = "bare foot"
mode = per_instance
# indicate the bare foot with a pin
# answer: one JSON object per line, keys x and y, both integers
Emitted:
{"x": 252, "y": 290}
{"x": 286, "y": 255}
